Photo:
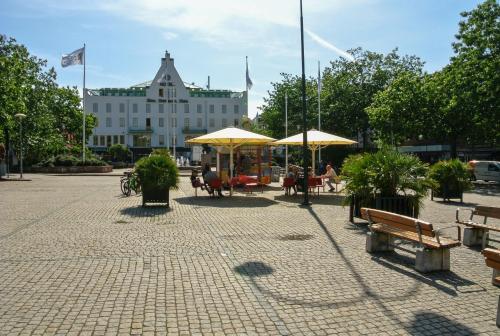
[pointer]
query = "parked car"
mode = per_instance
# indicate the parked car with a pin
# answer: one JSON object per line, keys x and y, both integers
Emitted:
{"x": 485, "y": 170}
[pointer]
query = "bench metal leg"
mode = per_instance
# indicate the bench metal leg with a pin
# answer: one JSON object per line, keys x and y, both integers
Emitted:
{"x": 473, "y": 236}
{"x": 495, "y": 278}
{"x": 379, "y": 242}
{"x": 429, "y": 260}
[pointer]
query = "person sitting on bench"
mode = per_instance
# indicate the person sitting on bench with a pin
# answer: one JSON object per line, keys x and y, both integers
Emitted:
{"x": 195, "y": 180}
{"x": 330, "y": 177}
{"x": 210, "y": 176}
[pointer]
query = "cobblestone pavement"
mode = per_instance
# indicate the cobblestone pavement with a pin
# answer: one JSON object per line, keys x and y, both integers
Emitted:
{"x": 77, "y": 258}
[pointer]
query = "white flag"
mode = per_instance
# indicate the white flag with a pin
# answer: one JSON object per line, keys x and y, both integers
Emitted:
{"x": 76, "y": 57}
{"x": 249, "y": 81}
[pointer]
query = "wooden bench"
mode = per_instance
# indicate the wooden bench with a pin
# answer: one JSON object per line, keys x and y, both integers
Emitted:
{"x": 492, "y": 259}
{"x": 433, "y": 253}
{"x": 478, "y": 233}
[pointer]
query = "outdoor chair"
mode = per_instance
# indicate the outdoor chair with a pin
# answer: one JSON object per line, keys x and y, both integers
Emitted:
{"x": 288, "y": 182}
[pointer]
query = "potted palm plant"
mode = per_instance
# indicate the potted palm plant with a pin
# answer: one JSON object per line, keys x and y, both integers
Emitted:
{"x": 157, "y": 174}
{"x": 385, "y": 180}
{"x": 452, "y": 178}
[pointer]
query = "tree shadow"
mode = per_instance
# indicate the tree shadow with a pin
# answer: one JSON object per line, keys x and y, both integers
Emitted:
{"x": 234, "y": 201}
{"x": 328, "y": 199}
{"x": 254, "y": 269}
{"x": 149, "y": 211}
{"x": 429, "y": 323}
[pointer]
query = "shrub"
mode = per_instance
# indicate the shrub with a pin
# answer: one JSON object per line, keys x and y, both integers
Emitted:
{"x": 453, "y": 174}
{"x": 119, "y": 152}
{"x": 157, "y": 171}
{"x": 386, "y": 173}
{"x": 70, "y": 161}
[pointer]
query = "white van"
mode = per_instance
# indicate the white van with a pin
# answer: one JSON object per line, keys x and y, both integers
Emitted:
{"x": 486, "y": 170}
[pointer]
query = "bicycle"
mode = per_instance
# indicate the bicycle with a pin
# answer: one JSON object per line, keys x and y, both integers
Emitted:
{"x": 129, "y": 182}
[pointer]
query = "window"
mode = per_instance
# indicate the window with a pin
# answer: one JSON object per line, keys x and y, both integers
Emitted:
{"x": 161, "y": 108}
{"x": 174, "y": 92}
{"x": 224, "y": 122}
{"x": 212, "y": 122}
{"x": 160, "y": 92}
{"x": 115, "y": 139}
{"x": 175, "y": 108}
{"x": 108, "y": 140}
{"x": 224, "y": 108}
{"x": 186, "y": 108}
{"x": 108, "y": 107}
{"x": 198, "y": 108}
{"x": 186, "y": 123}
{"x": 160, "y": 122}
{"x": 161, "y": 140}
{"x": 174, "y": 122}
{"x": 492, "y": 167}
{"x": 236, "y": 122}
{"x": 211, "y": 108}
{"x": 134, "y": 108}
{"x": 122, "y": 108}
{"x": 199, "y": 123}
{"x": 135, "y": 122}
{"x": 102, "y": 140}
{"x": 108, "y": 122}
{"x": 122, "y": 122}
{"x": 148, "y": 108}
{"x": 122, "y": 139}
{"x": 95, "y": 140}
{"x": 96, "y": 121}
{"x": 148, "y": 122}
{"x": 236, "y": 109}
{"x": 95, "y": 107}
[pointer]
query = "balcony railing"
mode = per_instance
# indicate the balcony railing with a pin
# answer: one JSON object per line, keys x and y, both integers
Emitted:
{"x": 139, "y": 130}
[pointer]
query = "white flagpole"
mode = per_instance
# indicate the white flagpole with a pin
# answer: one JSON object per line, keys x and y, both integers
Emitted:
{"x": 246, "y": 81}
{"x": 83, "y": 102}
{"x": 286, "y": 133}
{"x": 319, "y": 108}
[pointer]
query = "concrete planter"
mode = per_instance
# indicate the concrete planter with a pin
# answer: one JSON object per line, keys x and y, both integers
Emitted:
{"x": 72, "y": 169}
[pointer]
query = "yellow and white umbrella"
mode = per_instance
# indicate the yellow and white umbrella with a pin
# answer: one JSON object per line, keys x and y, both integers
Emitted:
{"x": 231, "y": 137}
{"x": 315, "y": 140}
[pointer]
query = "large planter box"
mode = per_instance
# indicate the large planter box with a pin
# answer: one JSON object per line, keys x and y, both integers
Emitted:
{"x": 402, "y": 205}
{"x": 446, "y": 193}
{"x": 72, "y": 169}
{"x": 155, "y": 195}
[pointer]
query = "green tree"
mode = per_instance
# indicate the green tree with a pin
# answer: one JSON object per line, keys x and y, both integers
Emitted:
{"x": 53, "y": 114}
{"x": 349, "y": 88}
{"x": 401, "y": 110}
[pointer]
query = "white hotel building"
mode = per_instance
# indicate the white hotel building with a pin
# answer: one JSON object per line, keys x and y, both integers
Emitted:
{"x": 164, "y": 112}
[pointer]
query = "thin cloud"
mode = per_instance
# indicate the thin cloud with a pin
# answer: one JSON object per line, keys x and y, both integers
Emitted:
{"x": 322, "y": 42}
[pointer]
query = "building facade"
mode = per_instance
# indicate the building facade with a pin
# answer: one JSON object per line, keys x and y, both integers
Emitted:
{"x": 162, "y": 113}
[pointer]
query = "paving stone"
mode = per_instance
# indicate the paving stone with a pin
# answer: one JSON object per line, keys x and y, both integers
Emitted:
{"x": 78, "y": 258}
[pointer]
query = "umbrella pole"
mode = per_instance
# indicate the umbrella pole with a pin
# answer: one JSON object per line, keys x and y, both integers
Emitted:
{"x": 313, "y": 150}
{"x": 218, "y": 162}
{"x": 231, "y": 148}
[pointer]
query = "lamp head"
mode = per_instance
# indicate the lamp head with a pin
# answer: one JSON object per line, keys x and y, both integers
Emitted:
{"x": 20, "y": 115}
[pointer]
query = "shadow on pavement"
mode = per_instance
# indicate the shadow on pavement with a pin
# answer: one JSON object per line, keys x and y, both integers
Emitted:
{"x": 234, "y": 201}
{"x": 328, "y": 199}
{"x": 428, "y": 323}
{"x": 254, "y": 269}
{"x": 149, "y": 211}
{"x": 485, "y": 188}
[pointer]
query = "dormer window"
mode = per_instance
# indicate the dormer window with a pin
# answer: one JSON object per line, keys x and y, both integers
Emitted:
{"x": 160, "y": 92}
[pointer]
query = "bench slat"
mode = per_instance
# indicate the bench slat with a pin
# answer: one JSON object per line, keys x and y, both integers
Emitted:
{"x": 485, "y": 211}
{"x": 482, "y": 226}
{"x": 399, "y": 221}
{"x": 413, "y": 236}
{"x": 492, "y": 254}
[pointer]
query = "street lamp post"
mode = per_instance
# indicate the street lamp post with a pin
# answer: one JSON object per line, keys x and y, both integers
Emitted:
{"x": 21, "y": 116}
{"x": 305, "y": 158}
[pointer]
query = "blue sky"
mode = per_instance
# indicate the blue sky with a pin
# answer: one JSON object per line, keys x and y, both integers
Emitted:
{"x": 126, "y": 38}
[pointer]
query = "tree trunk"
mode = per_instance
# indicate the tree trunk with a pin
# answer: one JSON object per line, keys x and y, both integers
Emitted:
{"x": 365, "y": 138}
{"x": 453, "y": 148}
